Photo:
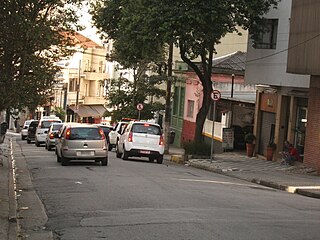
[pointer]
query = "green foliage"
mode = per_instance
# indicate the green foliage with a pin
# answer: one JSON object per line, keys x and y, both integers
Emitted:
{"x": 194, "y": 148}
{"x": 31, "y": 41}
{"x": 249, "y": 138}
{"x": 194, "y": 26}
{"x": 123, "y": 96}
{"x": 59, "y": 112}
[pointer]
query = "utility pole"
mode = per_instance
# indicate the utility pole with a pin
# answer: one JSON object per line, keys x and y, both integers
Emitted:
{"x": 77, "y": 96}
{"x": 168, "y": 102}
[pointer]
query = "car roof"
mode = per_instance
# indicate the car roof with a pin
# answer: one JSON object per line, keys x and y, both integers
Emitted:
{"x": 144, "y": 122}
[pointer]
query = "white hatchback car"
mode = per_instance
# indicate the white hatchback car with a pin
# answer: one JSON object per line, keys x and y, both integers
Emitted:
{"x": 24, "y": 130}
{"x": 43, "y": 127}
{"x": 141, "y": 139}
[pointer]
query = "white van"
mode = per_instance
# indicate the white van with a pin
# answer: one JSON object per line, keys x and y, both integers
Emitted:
{"x": 43, "y": 127}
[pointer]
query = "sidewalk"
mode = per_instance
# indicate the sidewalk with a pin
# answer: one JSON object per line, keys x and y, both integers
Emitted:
{"x": 295, "y": 179}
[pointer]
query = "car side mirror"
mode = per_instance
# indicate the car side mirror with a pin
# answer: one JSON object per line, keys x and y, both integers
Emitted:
{"x": 46, "y": 132}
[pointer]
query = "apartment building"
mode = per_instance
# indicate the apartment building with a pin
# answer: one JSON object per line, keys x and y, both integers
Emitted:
{"x": 81, "y": 83}
{"x": 304, "y": 58}
{"x": 282, "y": 98}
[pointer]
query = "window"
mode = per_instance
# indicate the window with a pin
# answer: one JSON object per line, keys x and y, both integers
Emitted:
{"x": 268, "y": 38}
{"x": 190, "y": 108}
{"x": 72, "y": 85}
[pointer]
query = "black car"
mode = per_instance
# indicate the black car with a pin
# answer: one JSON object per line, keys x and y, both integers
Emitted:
{"x": 31, "y": 136}
{"x": 106, "y": 129}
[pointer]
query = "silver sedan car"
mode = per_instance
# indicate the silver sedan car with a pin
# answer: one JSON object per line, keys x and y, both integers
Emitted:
{"x": 50, "y": 139}
{"x": 79, "y": 142}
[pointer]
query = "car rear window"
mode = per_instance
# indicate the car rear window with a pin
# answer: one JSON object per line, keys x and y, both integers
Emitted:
{"x": 146, "y": 128}
{"x": 47, "y": 124}
{"x": 85, "y": 134}
{"x": 56, "y": 127}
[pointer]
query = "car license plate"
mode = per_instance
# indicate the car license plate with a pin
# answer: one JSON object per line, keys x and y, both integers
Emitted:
{"x": 86, "y": 153}
{"x": 144, "y": 152}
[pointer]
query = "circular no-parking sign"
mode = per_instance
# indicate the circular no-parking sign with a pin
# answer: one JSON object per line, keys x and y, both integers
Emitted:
{"x": 215, "y": 95}
{"x": 139, "y": 106}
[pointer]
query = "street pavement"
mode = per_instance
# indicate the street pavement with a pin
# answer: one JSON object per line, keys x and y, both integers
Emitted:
{"x": 295, "y": 179}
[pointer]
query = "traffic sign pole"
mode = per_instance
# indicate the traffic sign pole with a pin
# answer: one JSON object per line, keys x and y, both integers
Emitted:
{"x": 212, "y": 141}
{"x": 215, "y": 95}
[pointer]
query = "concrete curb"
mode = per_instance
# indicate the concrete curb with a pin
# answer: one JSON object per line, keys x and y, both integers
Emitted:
{"x": 261, "y": 182}
{"x": 30, "y": 212}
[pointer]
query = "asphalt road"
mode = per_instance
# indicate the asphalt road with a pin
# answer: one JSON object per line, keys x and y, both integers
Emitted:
{"x": 138, "y": 200}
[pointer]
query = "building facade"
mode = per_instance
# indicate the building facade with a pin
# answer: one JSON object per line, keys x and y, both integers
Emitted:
{"x": 282, "y": 98}
{"x": 304, "y": 58}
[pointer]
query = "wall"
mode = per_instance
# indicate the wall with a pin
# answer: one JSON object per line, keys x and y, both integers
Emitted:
{"x": 312, "y": 142}
{"x": 304, "y": 52}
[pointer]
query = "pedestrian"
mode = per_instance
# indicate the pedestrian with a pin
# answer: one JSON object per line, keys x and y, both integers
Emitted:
{"x": 290, "y": 156}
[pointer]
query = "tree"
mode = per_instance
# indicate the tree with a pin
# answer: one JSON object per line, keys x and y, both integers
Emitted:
{"x": 194, "y": 26}
{"x": 32, "y": 40}
{"x": 121, "y": 92}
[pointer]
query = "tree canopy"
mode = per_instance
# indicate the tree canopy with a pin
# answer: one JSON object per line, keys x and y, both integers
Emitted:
{"x": 121, "y": 91}
{"x": 32, "y": 40}
{"x": 194, "y": 26}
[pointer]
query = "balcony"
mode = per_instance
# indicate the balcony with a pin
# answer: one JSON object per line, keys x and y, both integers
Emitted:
{"x": 94, "y": 76}
{"x": 94, "y": 100}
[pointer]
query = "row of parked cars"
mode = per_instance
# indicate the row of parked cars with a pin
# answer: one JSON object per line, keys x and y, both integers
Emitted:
{"x": 77, "y": 141}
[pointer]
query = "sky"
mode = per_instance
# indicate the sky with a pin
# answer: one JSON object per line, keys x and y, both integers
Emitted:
{"x": 90, "y": 31}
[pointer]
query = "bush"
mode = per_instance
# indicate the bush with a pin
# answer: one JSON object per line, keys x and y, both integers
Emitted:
{"x": 200, "y": 149}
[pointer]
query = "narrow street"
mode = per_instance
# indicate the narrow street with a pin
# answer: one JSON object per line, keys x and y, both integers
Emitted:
{"x": 136, "y": 199}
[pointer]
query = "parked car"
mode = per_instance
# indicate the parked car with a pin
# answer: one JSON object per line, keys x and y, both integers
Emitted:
{"x": 24, "y": 130}
{"x": 141, "y": 139}
{"x": 106, "y": 129}
{"x": 50, "y": 139}
{"x": 115, "y": 133}
{"x": 31, "y": 136}
{"x": 77, "y": 141}
{"x": 43, "y": 127}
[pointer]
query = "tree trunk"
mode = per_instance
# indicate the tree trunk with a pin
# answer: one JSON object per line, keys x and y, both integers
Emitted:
{"x": 167, "y": 117}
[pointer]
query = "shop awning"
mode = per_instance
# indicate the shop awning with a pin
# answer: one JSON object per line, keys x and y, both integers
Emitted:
{"x": 94, "y": 111}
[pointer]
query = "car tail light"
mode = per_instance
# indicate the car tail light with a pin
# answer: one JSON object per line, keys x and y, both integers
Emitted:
{"x": 130, "y": 137}
{"x": 161, "y": 141}
{"x": 68, "y": 133}
{"x": 51, "y": 136}
{"x": 103, "y": 137}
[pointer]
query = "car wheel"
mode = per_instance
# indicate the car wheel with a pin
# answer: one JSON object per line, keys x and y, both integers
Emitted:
{"x": 37, "y": 144}
{"x": 104, "y": 161}
{"x": 49, "y": 148}
{"x": 118, "y": 155}
{"x": 151, "y": 159}
{"x": 28, "y": 141}
{"x": 64, "y": 161}
{"x": 110, "y": 146}
{"x": 23, "y": 137}
{"x": 58, "y": 158}
{"x": 125, "y": 154}
{"x": 160, "y": 160}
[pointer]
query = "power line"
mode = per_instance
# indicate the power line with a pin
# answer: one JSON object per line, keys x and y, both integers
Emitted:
{"x": 247, "y": 61}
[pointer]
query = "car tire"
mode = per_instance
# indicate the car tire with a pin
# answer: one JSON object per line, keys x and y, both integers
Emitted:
{"x": 58, "y": 158}
{"x": 49, "y": 148}
{"x": 160, "y": 160}
{"x": 64, "y": 161}
{"x": 125, "y": 154}
{"x": 104, "y": 162}
{"x": 151, "y": 159}
{"x": 28, "y": 141}
{"x": 37, "y": 144}
{"x": 110, "y": 146}
{"x": 23, "y": 137}
{"x": 118, "y": 155}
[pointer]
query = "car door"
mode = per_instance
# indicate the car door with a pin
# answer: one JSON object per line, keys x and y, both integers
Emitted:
{"x": 123, "y": 133}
